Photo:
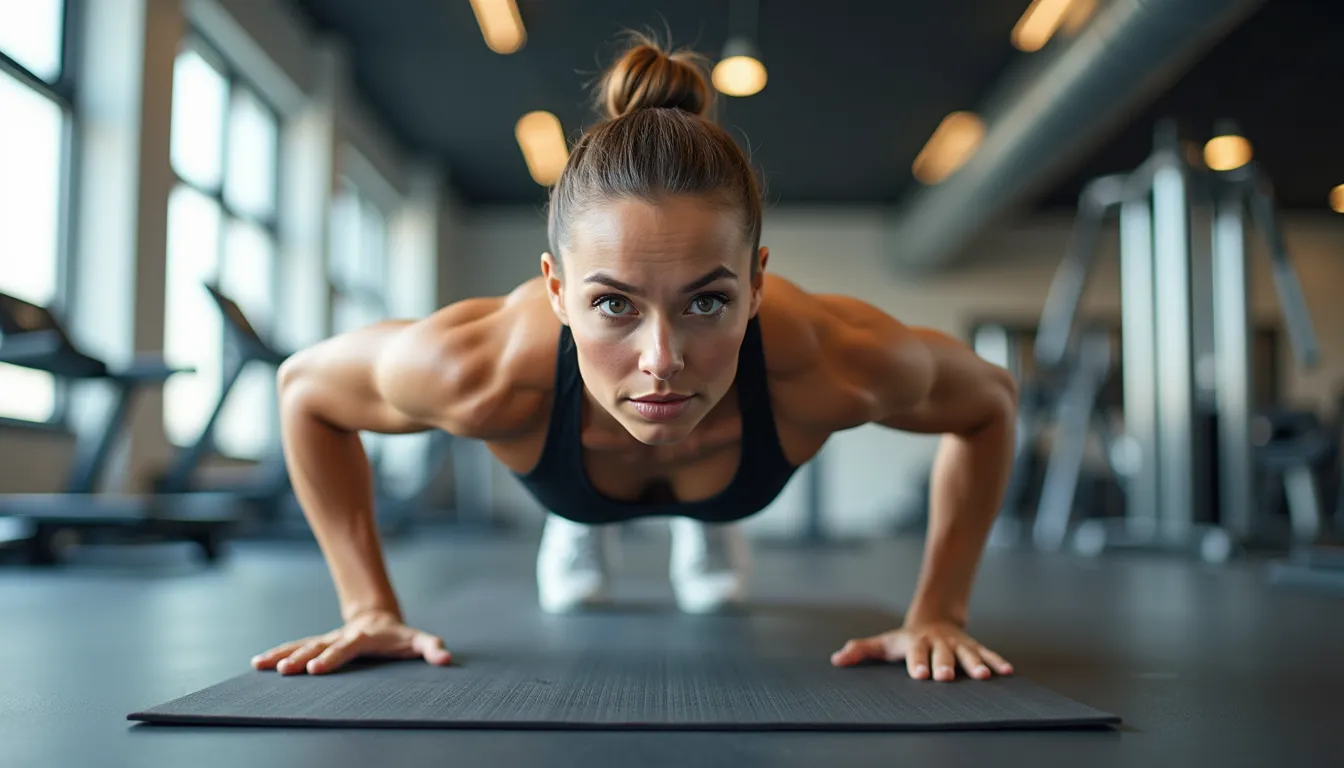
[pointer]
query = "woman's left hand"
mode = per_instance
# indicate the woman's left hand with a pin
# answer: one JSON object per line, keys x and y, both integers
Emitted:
{"x": 926, "y": 645}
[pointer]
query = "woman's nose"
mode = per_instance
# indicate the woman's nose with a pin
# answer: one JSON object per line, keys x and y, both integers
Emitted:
{"x": 661, "y": 358}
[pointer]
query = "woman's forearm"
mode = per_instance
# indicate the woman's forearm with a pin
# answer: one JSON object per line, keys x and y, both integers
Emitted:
{"x": 970, "y": 473}
{"x": 329, "y": 393}
{"x": 332, "y": 481}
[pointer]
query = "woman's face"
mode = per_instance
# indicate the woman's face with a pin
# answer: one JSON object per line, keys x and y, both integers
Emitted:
{"x": 657, "y": 297}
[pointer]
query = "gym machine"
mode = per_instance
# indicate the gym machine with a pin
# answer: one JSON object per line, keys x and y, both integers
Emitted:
{"x": 1314, "y": 443}
{"x": 265, "y": 495}
{"x": 1190, "y": 456}
{"x": 34, "y": 338}
{"x": 270, "y": 510}
{"x": 1074, "y": 403}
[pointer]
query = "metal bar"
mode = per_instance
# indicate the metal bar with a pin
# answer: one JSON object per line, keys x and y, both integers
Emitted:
{"x": 92, "y": 456}
{"x": 1291, "y": 302}
{"x": 60, "y": 95}
{"x": 1175, "y": 364}
{"x": 1066, "y": 290}
{"x": 1139, "y": 350}
{"x": 1073, "y": 420}
{"x": 180, "y": 477}
{"x": 1232, "y": 347}
{"x": 1304, "y": 503}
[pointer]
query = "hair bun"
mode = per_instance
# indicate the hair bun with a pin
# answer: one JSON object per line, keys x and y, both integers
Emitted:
{"x": 648, "y": 77}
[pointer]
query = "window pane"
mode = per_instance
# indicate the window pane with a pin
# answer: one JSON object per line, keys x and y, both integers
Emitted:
{"x": 199, "y": 96}
{"x": 26, "y": 394}
{"x": 30, "y": 33}
{"x": 30, "y": 192}
{"x": 246, "y": 427}
{"x": 192, "y": 325}
{"x": 30, "y": 185}
{"x": 351, "y": 313}
{"x": 344, "y": 250}
{"x": 250, "y": 186}
{"x": 373, "y": 243}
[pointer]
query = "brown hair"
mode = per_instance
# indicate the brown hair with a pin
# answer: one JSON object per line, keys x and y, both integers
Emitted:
{"x": 655, "y": 141}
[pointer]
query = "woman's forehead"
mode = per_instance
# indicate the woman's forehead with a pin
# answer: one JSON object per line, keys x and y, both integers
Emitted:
{"x": 672, "y": 230}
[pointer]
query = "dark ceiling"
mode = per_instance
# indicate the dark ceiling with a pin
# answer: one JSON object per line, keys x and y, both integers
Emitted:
{"x": 1278, "y": 77}
{"x": 855, "y": 87}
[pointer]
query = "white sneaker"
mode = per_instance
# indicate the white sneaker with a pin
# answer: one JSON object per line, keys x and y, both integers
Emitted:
{"x": 709, "y": 565}
{"x": 574, "y": 564}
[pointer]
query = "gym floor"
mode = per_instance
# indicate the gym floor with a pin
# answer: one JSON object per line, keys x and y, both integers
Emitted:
{"x": 1206, "y": 665}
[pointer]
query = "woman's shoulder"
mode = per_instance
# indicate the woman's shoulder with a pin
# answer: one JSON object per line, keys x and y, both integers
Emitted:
{"x": 497, "y": 356}
{"x": 821, "y": 352}
{"x": 796, "y": 327}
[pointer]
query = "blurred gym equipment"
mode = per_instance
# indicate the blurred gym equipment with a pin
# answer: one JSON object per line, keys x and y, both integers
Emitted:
{"x": 268, "y": 506}
{"x": 1186, "y": 350}
{"x": 1309, "y": 462}
{"x": 34, "y": 338}
{"x": 270, "y": 510}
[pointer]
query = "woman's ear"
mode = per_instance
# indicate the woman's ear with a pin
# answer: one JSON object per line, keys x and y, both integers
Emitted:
{"x": 758, "y": 280}
{"x": 555, "y": 286}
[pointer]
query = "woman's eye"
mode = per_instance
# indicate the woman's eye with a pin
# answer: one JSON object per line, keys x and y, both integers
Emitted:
{"x": 615, "y": 305}
{"x": 706, "y": 305}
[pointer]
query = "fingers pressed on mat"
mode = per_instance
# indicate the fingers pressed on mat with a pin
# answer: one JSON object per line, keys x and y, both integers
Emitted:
{"x": 970, "y": 661}
{"x": 917, "y": 659}
{"x": 431, "y": 648}
{"x": 1000, "y": 665}
{"x": 297, "y": 662}
{"x": 337, "y": 655}
{"x": 944, "y": 662}
{"x": 268, "y": 659}
{"x": 858, "y": 650}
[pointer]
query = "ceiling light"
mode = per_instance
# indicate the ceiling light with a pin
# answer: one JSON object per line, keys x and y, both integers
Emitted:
{"x": 1080, "y": 12}
{"x": 501, "y": 24}
{"x": 1337, "y": 199}
{"x": 953, "y": 142}
{"x": 1039, "y": 23}
{"x": 740, "y": 71}
{"x": 542, "y": 140}
{"x": 1228, "y": 149}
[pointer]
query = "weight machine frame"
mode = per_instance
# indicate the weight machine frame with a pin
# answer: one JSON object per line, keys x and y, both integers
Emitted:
{"x": 1186, "y": 342}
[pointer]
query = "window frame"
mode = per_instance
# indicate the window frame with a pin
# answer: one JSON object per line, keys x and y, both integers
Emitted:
{"x": 64, "y": 92}
{"x": 196, "y": 40}
{"x": 193, "y": 39}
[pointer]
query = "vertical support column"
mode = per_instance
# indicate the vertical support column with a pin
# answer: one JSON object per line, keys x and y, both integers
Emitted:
{"x": 1232, "y": 344}
{"x": 124, "y": 113}
{"x": 413, "y": 231}
{"x": 1175, "y": 337}
{"x": 309, "y": 159}
{"x": 1139, "y": 340}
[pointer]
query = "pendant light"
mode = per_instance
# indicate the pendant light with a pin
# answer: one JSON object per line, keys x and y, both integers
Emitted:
{"x": 740, "y": 71}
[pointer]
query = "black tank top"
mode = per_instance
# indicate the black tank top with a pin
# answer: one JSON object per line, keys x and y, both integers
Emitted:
{"x": 560, "y": 483}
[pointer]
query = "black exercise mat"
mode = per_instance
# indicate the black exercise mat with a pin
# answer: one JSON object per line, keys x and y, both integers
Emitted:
{"x": 765, "y": 668}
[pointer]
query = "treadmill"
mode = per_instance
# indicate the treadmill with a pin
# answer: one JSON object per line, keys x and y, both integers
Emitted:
{"x": 32, "y": 337}
{"x": 266, "y": 492}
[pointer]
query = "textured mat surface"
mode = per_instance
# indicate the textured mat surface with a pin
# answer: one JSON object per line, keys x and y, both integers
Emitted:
{"x": 766, "y": 668}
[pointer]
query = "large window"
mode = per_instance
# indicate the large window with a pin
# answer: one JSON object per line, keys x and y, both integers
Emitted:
{"x": 358, "y": 268}
{"x": 35, "y": 141}
{"x": 221, "y": 229}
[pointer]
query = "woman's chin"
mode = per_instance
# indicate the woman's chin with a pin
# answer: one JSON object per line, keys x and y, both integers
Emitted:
{"x": 660, "y": 432}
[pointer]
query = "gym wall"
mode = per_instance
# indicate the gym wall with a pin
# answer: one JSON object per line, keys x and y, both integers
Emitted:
{"x": 452, "y": 252}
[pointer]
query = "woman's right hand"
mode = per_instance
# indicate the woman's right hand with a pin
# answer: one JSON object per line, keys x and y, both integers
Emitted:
{"x": 374, "y": 634}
